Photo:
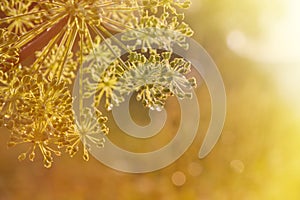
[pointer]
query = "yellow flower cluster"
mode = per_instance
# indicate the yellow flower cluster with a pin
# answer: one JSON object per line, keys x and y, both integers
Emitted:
{"x": 43, "y": 47}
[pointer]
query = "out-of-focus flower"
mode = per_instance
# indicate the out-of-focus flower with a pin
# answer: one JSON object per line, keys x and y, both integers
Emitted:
{"x": 52, "y": 62}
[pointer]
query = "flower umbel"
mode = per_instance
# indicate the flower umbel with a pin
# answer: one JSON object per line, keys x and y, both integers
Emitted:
{"x": 40, "y": 114}
{"x": 88, "y": 130}
{"x": 156, "y": 77}
{"x": 45, "y": 44}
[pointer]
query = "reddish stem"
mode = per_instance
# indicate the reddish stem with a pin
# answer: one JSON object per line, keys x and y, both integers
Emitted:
{"x": 42, "y": 40}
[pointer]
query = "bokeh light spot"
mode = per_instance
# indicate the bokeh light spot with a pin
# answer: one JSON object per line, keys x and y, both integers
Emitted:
{"x": 195, "y": 169}
{"x": 178, "y": 178}
{"x": 238, "y": 166}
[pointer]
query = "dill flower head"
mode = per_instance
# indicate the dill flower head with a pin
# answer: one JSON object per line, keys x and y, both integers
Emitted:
{"x": 12, "y": 93}
{"x": 158, "y": 32}
{"x": 167, "y": 5}
{"x": 39, "y": 113}
{"x": 155, "y": 77}
{"x": 52, "y": 62}
{"x": 104, "y": 86}
{"x": 29, "y": 10}
{"x": 35, "y": 101}
{"x": 89, "y": 130}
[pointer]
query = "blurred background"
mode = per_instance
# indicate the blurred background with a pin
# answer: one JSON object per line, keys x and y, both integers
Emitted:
{"x": 256, "y": 45}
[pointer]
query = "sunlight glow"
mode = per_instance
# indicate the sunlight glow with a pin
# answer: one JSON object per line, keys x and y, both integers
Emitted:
{"x": 278, "y": 49}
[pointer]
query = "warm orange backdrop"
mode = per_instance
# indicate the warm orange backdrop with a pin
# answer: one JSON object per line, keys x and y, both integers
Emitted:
{"x": 257, "y": 156}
